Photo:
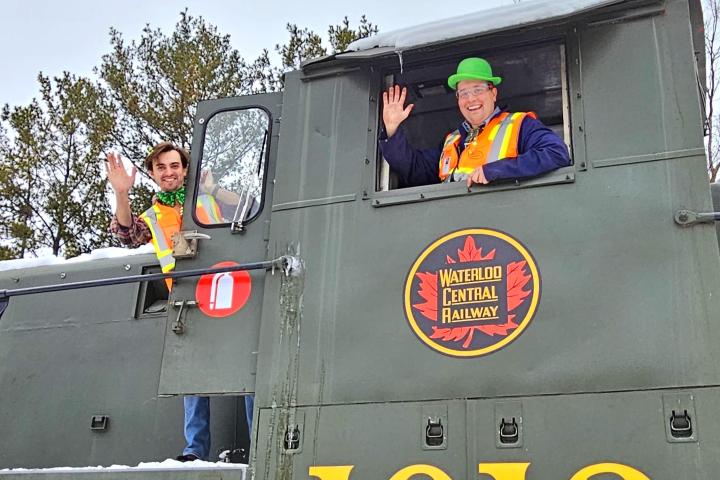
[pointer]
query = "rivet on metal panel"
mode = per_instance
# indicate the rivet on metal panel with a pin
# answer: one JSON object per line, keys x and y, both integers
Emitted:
{"x": 127, "y": 267}
{"x": 367, "y": 161}
{"x": 201, "y": 121}
{"x": 16, "y": 279}
{"x": 63, "y": 275}
{"x": 578, "y": 95}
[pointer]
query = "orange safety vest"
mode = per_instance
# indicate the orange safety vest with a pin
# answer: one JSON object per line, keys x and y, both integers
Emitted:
{"x": 497, "y": 141}
{"x": 207, "y": 210}
{"x": 165, "y": 221}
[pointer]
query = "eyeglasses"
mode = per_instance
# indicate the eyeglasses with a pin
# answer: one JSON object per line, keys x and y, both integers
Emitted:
{"x": 473, "y": 92}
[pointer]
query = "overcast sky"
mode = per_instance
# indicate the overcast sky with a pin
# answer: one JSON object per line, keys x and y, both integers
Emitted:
{"x": 52, "y": 36}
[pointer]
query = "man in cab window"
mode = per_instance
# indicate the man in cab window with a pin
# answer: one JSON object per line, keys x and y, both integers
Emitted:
{"x": 490, "y": 145}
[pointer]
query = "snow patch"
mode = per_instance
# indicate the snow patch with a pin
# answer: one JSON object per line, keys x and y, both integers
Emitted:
{"x": 110, "y": 252}
{"x": 168, "y": 464}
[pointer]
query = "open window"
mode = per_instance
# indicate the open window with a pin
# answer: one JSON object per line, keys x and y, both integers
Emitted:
{"x": 231, "y": 168}
{"x": 534, "y": 79}
{"x": 152, "y": 296}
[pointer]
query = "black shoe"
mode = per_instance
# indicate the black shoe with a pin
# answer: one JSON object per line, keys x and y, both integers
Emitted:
{"x": 239, "y": 455}
{"x": 187, "y": 458}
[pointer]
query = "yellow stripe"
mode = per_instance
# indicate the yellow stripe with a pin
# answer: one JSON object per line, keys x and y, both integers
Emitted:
{"x": 505, "y": 142}
{"x": 508, "y": 135}
{"x": 494, "y": 131}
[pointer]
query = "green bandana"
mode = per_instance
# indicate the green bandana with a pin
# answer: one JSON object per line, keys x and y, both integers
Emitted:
{"x": 170, "y": 198}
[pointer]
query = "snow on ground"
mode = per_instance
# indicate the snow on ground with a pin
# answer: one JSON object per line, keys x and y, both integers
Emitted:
{"x": 168, "y": 464}
{"x": 110, "y": 252}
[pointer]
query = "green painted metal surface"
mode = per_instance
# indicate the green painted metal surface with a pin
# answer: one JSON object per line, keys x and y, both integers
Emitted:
{"x": 623, "y": 342}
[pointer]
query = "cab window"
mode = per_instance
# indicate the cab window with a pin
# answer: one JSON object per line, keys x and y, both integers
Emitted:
{"x": 534, "y": 79}
{"x": 230, "y": 176}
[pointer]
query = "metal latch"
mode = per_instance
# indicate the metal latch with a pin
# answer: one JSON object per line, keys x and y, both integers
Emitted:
{"x": 681, "y": 424}
{"x": 185, "y": 244}
{"x": 99, "y": 422}
{"x": 434, "y": 432}
{"x": 509, "y": 431}
{"x": 178, "y": 326}
{"x": 687, "y": 218}
{"x": 292, "y": 438}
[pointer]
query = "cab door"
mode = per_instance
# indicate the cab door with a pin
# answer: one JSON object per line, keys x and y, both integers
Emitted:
{"x": 213, "y": 321}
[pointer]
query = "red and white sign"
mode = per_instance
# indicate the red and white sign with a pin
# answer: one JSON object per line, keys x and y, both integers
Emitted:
{"x": 222, "y": 294}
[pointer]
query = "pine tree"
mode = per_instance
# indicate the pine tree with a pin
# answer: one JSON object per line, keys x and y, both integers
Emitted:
{"x": 156, "y": 82}
{"x": 51, "y": 182}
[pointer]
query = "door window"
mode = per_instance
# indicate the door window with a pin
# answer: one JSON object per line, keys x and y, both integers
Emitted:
{"x": 230, "y": 182}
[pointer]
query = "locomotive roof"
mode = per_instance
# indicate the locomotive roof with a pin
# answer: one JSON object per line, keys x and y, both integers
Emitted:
{"x": 483, "y": 22}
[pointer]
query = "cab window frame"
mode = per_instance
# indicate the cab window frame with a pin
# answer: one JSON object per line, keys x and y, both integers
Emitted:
{"x": 265, "y": 158}
{"x": 385, "y": 189}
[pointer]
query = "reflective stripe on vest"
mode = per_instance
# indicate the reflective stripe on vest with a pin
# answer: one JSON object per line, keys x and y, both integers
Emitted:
{"x": 497, "y": 141}
{"x": 207, "y": 210}
{"x": 154, "y": 217}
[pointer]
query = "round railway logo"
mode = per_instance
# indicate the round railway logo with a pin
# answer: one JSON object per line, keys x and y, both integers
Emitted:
{"x": 472, "y": 292}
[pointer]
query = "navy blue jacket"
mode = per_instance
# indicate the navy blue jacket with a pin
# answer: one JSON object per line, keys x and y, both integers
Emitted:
{"x": 540, "y": 151}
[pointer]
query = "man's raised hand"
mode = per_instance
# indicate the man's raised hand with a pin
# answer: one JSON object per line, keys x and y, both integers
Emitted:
{"x": 394, "y": 110}
{"x": 119, "y": 179}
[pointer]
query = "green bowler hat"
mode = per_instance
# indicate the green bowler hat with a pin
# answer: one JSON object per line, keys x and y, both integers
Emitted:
{"x": 473, "y": 68}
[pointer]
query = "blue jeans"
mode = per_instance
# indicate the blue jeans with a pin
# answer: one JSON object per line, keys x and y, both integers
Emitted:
{"x": 197, "y": 427}
{"x": 197, "y": 424}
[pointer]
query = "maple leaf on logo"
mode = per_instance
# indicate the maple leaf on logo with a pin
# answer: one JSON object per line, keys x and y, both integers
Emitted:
{"x": 517, "y": 278}
{"x": 493, "y": 330}
{"x": 454, "y": 334}
{"x": 470, "y": 253}
{"x": 428, "y": 291}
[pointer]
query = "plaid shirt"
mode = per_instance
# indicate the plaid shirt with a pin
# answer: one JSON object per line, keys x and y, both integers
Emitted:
{"x": 134, "y": 236}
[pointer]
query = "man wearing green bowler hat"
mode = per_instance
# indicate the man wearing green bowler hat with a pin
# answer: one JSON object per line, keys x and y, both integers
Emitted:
{"x": 490, "y": 145}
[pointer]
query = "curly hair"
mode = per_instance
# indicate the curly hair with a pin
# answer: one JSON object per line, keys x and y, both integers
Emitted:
{"x": 163, "y": 147}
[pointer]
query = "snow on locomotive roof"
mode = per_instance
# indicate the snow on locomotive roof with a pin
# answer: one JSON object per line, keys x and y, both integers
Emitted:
{"x": 483, "y": 22}
{"x": 111, "y": 252}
